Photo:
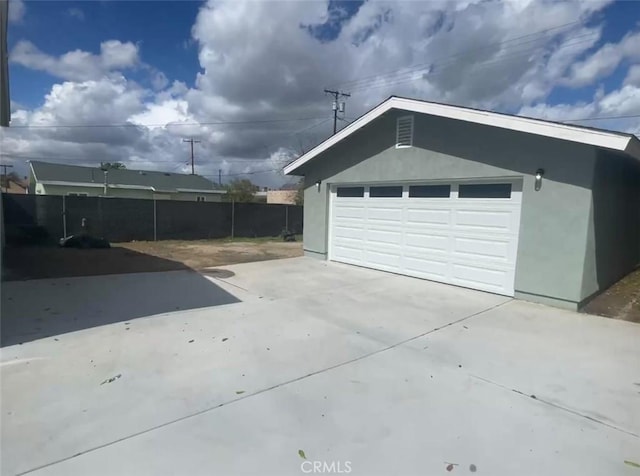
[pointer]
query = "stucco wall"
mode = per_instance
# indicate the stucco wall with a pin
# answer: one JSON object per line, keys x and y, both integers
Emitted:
{"x": 191, "y": 197}
{"x": 613, "y": 239}
{"x": 554, "y": 220}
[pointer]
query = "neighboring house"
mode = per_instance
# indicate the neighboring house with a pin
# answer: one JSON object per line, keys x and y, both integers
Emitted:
{"x": 282, "y": 197}
{"x": 260, "y": 196}
{"x": 47, "y": 178}
{"x": 9, "y": 185}
{"x": 522, "y": 207}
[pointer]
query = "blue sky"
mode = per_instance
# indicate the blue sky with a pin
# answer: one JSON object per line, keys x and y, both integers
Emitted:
{"x": 162, "y": 29}
{"x": 617, "y": 19}
{"x": 105, "y": 62}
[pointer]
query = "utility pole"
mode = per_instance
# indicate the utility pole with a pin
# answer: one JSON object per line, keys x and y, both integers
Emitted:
{"x": 220, "y": 177}
{"x": 191, "y": 141}
{"x": 336, "y": 106}
{"x": 4, "y": 174}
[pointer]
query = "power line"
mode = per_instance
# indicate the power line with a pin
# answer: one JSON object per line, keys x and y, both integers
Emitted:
{"x": 352, "y": 83}
{"x": 312, "y": 126}
{"x": 183, "y": 164}
{"x": 169, "y": 124}
{"x": 31, "y": 157}
{"x": 443, "y": 60}
{"x": 20, "y": 156}
{"x": 253, "y": 172}
{"x": 396, "y": 75}
{"x": 409, "y": 76}
{"x": 584, "y": 119}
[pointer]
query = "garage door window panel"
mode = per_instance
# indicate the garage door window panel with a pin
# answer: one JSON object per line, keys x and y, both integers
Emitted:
{"x": 385, "y": 192}
{"x": 485, "y": 190}
{"x": 350, "y": 192}
{"x": 429, "y": 191}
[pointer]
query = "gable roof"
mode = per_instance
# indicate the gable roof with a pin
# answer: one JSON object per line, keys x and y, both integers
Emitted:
{"x": 618, "y": 141}
{"x": 75, "y": 175}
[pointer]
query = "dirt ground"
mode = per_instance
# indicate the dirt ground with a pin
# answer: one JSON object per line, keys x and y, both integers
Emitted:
{"x": 620, "y": 301}
{"x": 32, "y": 262}
{"x": 209, "y": 253}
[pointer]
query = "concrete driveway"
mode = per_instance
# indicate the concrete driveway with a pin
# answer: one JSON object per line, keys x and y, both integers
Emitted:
{"x": 361, "y": 372}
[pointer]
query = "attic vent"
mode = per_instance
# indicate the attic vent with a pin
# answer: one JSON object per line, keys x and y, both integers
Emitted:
{"x": 404, "y": 132}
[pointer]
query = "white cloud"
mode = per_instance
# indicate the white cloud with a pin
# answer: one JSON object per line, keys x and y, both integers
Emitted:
{"x": 115, "y": 55}
{"x": 604, "y": 61}
{"x": 633, "y": 75}
{"x": 260, "y": 62}
{"x": 606, "y": 111}
{"x": 76, "y": 13}
{"x": 77, "y": 65}
{"x": 16, "y": 10}
{"x": 560, "y": 112}
{"x": 623, "y": 101}
{"x": 159, "y": 80}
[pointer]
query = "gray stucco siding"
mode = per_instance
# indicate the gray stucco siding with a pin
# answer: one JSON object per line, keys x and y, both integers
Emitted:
{"x": 613, "y": 238}
{"x": 554, "y": 221}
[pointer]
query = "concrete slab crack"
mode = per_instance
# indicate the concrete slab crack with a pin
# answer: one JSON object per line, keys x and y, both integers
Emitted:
{"x": 555, "y": 405}
{"x": 264, "y": 390}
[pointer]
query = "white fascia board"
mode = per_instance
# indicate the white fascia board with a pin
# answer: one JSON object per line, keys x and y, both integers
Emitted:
{"x": 334, "y": 139}
{"x": 33, "y": 171}
{"x": 129, "y": 187}
{"x": 597, "y": 138}
{"x": 70, "y": 184}
{"x": 195, "y": 190}
{"x": 93, "y": 184}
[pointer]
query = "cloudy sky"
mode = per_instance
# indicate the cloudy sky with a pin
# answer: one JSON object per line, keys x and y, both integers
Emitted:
{"x": 96, "y": 81}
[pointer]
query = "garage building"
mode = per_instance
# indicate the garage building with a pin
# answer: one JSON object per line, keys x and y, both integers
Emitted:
{"x": 522, "y": 207}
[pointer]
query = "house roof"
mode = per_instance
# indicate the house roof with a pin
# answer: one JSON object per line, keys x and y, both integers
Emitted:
{"x": 618, "y": 141}
{"x": 75, "y": 175}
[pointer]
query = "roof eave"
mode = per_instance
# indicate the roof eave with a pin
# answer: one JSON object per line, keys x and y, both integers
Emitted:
{"x": 598, "y": 138}
{"x": 197, "y": 190}
{"x": 633, "y": 148}
{"x": 130, "y": 187}
{"x": 70, "y": 184}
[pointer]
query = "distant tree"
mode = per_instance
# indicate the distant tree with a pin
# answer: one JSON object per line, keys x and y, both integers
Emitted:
{"x": 112, "y": 165}
{"x": 241, "y": 190}
{"x": 299, "y": 199}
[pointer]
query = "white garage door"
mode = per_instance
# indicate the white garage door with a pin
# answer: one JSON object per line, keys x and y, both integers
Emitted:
{"x": 462, "y": 233}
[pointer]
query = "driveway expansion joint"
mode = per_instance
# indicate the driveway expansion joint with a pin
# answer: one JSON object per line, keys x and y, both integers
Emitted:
{"x": 555, "y": 405}
{"x": 264, "y": 390}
